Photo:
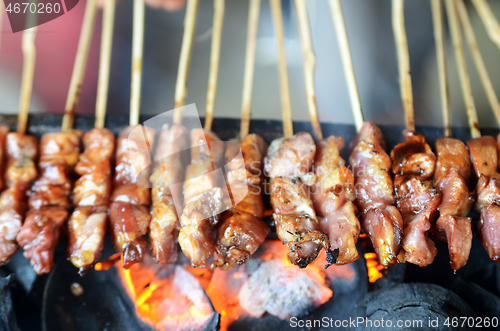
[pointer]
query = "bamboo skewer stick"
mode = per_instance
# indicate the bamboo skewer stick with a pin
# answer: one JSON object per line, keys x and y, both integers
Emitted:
{"x": 489, "y": 20}
{"x": 478, "y": 59}
{"x": 29, "y": 54}
{"x": 309, "y": 64}
{"x": 214, "y": 61}
{"x": 185, "y": 58}
{"x": 398, "y": 25}
{"x": 345, "y": 53}
{"x": 462, "y": 69}
{"x": 437, "y": 17}
{"x": 282, "y": 68}
{"x": 108, "y": 21}
{"x": 252, "y": 30}
{"x": 137, "y": 51}
{"x": 80, "y": 64}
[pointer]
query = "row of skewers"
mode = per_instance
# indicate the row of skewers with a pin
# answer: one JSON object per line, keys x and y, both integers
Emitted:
{"x": 317, "y": 201}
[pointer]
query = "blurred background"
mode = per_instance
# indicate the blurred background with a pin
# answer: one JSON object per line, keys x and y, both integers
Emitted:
{"x": 372, "y": 44}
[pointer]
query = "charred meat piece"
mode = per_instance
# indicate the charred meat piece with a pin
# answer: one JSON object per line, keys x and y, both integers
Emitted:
{"x": 40, "y": 234}
{"x": 203, "y": 197}
{"x": 333, "y": 197}
{"x": 49, "y": 198}
{"x": 380, "y": 220}
{"x": 164, "y": 227}
{"x": 488, "y": 230}
{"x": 452, "y": 177}
{"x": 242, "y": 230}
{"x": 22, "y": 151}
{"x": 288, "y": 163}
{"x": 129, "y": 209}
{"x": 417, "y": 201}
{"x": 484, "y": 157}
{"x": 413, "y": 164}
{"x": 291, "y": 157}
{"x": 91, "y": 194}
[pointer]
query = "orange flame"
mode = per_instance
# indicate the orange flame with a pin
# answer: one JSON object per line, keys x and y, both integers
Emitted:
{"x": 149, "y": 295}
{"x": 221, "y": 286}
{"x": 374, "y": 267}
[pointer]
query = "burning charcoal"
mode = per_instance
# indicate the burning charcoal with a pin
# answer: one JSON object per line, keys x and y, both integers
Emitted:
{"x": 167, "y": 297}
{"x": 282, "y": 291}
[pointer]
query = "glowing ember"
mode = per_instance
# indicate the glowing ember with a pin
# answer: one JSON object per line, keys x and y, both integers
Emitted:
{"x": 374, "y": 267}
{"x": 172, "y": 297}
{"x": 282, "y": 290}
{"x": 269, "y": 283}
{"x": 167, "y": 297}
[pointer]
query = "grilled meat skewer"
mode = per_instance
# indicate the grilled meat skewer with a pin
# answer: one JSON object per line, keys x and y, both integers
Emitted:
{"x": 242, "y": 230}
{"x": 287, "y": 164}
{"x": 334, "y": 196}
{"x": 413, "y": 164}
{"x": 452, "y": 178}
{"x": 49, "y": 198}
{"x": 22, "y": 151}
{"x": 203, "y": 197}
{"x": 164, "y": 227}
{"x": 484, "y": 157}
{"x": 91, "y": 194}
{"x": 129, "y": 209}
{"x": 380, "y": 219}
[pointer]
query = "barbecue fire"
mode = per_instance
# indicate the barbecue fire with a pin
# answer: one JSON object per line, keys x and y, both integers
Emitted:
{"x": 166, "y": 297}
{"x": 373, "y": 267}
{"x": 178, "y": 296}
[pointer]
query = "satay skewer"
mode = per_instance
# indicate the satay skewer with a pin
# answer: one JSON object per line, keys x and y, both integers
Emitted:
{"x": 129, "y": 211}
{"x": 214, "y": 61}
{"x": 289, "y": 177}
{"x": 202, "y": 185}
{"x": 411, "y": 179}
{"x": 286, "y": 107}
{"x": 165, "y": 229}
{"x": 241, "y": 229}
{"x": 379, "y": 218}
{"x": 489, "y": 20}
{"x": 252, "y": 30}
{"x": 78, "y": 73}
{"x": 403, "y": 62}
{"x": 309, "y": 64}
{"x": 18, "y": 153}
{"x": 483, "y": 150}
{"x": 437, "y": 18}
{"x": 345, "y": 52}
{"x": 185, "y": 58}
{"x": 478, "y": 59}
{"x": 452, "y": 173}
{"x": 49, "y": 196}
{"x": 92, "y": 190}
{"x": 336, "y": 211}
{"x": 462, "y": 69}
